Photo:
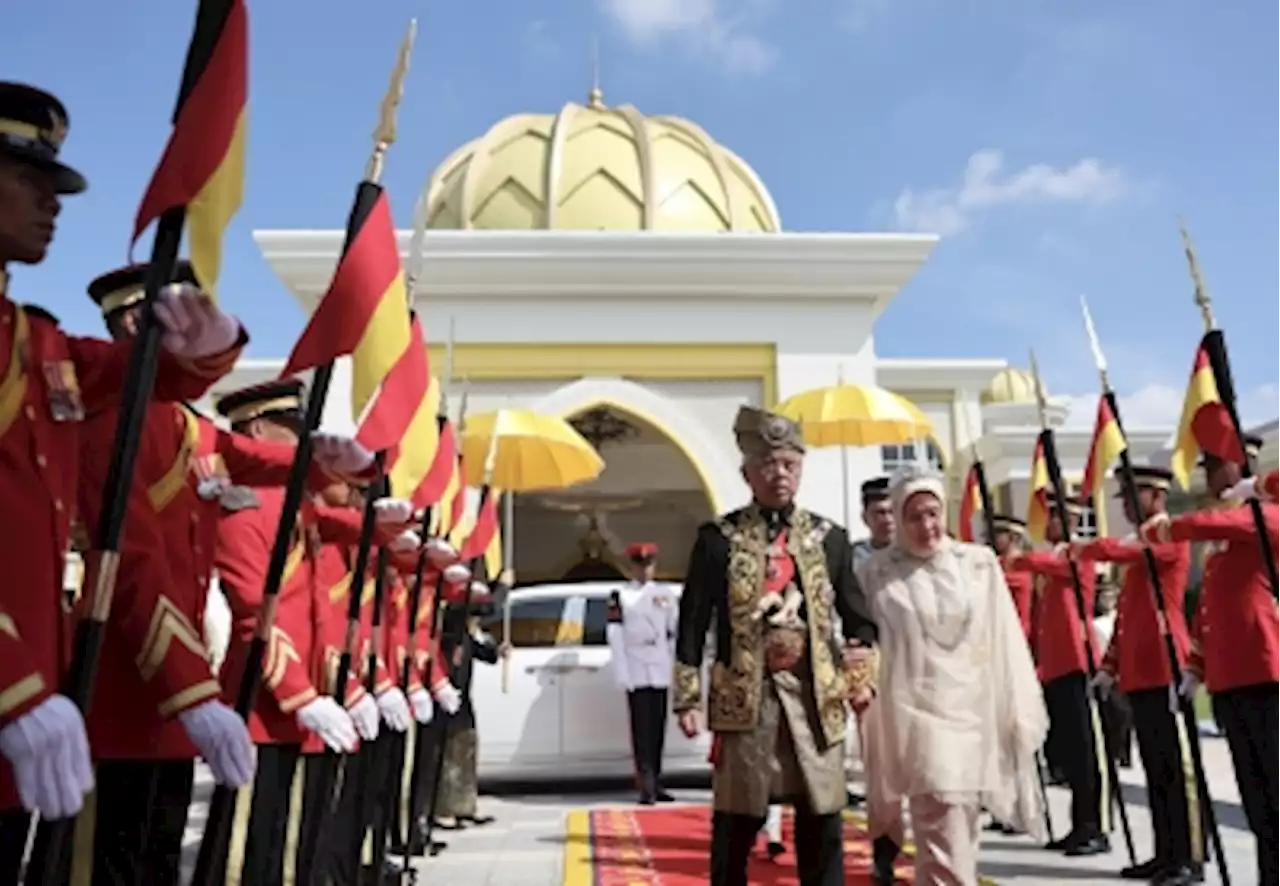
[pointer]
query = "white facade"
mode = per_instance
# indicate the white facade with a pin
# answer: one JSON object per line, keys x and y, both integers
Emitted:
{"x": 676, "y": 331}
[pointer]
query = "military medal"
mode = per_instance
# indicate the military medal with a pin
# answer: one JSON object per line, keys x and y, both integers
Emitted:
{"x": 212, "y": 478}
{"x": 60, "y": 379}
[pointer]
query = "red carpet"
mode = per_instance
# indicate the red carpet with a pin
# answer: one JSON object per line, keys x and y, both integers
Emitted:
{"x": 668, "y": 846}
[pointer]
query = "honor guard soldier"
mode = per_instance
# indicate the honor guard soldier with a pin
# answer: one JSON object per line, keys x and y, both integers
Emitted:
{"x": 1138, "y": 660}
{"x": 1010, "y": 543}
{"x": 641, "y": 632}
{"x": 185, "y": 463}
{"x": 1236, "y": 651}
{"x": 766, "y": 579}
{"x": 1063, "y": 664}
{"x": 290, "y": 706}
{"x": 48, "y": 382}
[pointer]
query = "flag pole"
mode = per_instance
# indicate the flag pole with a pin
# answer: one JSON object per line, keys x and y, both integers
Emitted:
{"x": 1215, "y": 345}
{"x": 1129, "y": 489}
{"x": 1097, "y": 717}
{"x": 217, "y": 834}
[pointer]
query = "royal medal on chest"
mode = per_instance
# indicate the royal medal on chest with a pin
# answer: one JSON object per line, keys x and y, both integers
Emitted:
{"x": 212, "y": 478}
{"x": 65, "y": 403}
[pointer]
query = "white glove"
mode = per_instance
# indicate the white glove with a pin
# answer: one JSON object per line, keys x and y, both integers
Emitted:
{"x": 328, "y": 720}
{"x": 1189, "y": 685}
{"x": 364, "y": 714}
{"x": 447, "y": 697}
{"x": 1102, "y": 682}
{"x": 456, "y": 574}
{"x": 223, "y": 740}
{"x": 339, "y": 455}
{"x": 193, "y": 325}
{"x": 49, "y": 752}
{"x": 406, "y": 541}
{"x": 392, "y": 510}
{"x": 441, "y": 553}
{"x": 395, "y": 709}
{"x": 1244, "y": 490}
{"x": 423, "y": 709}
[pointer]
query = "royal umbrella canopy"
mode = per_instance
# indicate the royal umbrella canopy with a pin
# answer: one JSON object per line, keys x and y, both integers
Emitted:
{"x": 517, "y": 450}
{"x": 856, "y": 415}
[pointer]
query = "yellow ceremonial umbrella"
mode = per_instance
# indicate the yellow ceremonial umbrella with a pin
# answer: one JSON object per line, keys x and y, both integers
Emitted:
{"x": 847, "y": 415}
{"x": 521, "y": 451}
{"x": 856, "y": 415}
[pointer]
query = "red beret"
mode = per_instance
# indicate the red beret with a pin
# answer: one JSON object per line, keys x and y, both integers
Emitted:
{"x": 642, "y": 550}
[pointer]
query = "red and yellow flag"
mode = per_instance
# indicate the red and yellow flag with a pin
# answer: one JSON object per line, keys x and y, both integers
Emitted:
{"x": 970, "y": 505}
{"x": 364, "y": 312}
{"x": 1206, "y": 424}
{"x": 1041, "y": 489}
{"x": 485, "y": 537}
{"x": 202, "y": 168}
{"x": 412, "y": 459}
{"x": 1107, "y": 445}
{"x": 443, "y": 468}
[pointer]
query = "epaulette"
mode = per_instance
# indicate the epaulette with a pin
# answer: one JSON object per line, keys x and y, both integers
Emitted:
{"x": 41, "y": 313}
{"x": 239, "y": 498}
{"x": 613, "y": 609}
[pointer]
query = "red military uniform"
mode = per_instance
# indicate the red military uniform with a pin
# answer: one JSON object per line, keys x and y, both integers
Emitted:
{"x": 48, "y": 380}
{"x": 1057, "y": 632}
{"x": 1236, "y": 626}
{"x": 1137, "y": 656}
{"x": 1022, "y": 586}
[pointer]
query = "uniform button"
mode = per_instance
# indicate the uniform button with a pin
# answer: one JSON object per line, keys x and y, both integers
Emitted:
{"x": 57, "y": 504}
{"x": 41, "y": 460}
{"x": 30, "y": 412}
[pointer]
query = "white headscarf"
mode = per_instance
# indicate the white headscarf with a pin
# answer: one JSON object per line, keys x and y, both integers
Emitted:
{"x": 905, "y": 484}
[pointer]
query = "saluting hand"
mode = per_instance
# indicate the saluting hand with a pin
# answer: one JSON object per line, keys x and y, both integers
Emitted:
{"x": 194, "y": 326}
{"x": 340, "y": 455}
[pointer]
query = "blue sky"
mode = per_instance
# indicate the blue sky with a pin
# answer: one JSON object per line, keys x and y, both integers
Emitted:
{"x": 1054, "y": 145}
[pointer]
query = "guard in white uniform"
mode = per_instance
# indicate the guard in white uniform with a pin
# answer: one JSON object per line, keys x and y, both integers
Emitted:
{"x": 641, "y": 632}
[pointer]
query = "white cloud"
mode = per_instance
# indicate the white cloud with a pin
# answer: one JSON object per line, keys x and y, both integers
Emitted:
{"x": 700, "y": 24}
{"x": 1159, "y": 406}
{"x": 986, "y": 185}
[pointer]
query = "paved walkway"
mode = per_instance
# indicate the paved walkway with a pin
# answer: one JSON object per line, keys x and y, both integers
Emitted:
{"x": 526, "y": 845}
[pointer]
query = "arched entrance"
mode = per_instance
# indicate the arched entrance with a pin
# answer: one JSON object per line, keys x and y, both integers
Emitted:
{"x": 650, "y": 490}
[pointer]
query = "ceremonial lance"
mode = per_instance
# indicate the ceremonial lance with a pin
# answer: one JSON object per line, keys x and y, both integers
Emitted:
{"x": 1129, "y": 488}
{"x": 1096, "y": 716}
{"x": 217, "y": 834}
{"x": 1215, "y": 345}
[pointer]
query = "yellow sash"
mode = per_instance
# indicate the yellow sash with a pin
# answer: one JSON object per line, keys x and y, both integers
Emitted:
{"x": 164, "y": 490}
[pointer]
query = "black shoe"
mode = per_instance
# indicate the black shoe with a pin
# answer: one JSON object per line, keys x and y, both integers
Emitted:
{"x": 1099, "y": 844}
{"x": 1179, "y": 875}
{"x": 450, "y": 824}
{"x": 647, "y": 800}
{"x": 995, "y": 826}
{"x": 664, "y": 797}
{"x": 1010, "y": 830}
{"x": 852, "y": 800}
{"x": 1144, "y": 871}
{"x": 884, "y": 852}
{"x": 773, "y": 850}
{"x": 478, "y": 820}
{"x": 1061, "y": 843}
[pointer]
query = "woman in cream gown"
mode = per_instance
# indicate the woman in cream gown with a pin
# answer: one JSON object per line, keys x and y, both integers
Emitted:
{"x": 958, "y": 714}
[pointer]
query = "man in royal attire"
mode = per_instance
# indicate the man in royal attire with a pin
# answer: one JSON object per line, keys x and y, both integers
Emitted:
{"x": 769, "y": 579}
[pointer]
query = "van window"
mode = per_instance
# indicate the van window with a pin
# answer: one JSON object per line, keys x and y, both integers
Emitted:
{"x": 542, "y": 623}
{"x": 595, "y": 621}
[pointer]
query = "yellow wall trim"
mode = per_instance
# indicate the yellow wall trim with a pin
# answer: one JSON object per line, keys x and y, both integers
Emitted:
{"x": 517, "y": 361}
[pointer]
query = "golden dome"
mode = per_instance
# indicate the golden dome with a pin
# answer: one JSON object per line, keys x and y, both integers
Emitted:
{"x": 1011, "y": 386}
{"x": 597, "y": 168}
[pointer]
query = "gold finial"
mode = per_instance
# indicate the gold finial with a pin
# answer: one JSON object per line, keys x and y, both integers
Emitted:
{"x": 385, "y": 133}
{"x": 1203, "y": 301}
{"x": 1042, "y": 402}
{"x": 595, "y": 98}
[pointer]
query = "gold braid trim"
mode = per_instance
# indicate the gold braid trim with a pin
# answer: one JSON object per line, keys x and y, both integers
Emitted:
{"x": 688, "y": 687}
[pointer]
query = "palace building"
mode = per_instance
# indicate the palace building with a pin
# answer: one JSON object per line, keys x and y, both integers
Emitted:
{"x": 633, "y": 275}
